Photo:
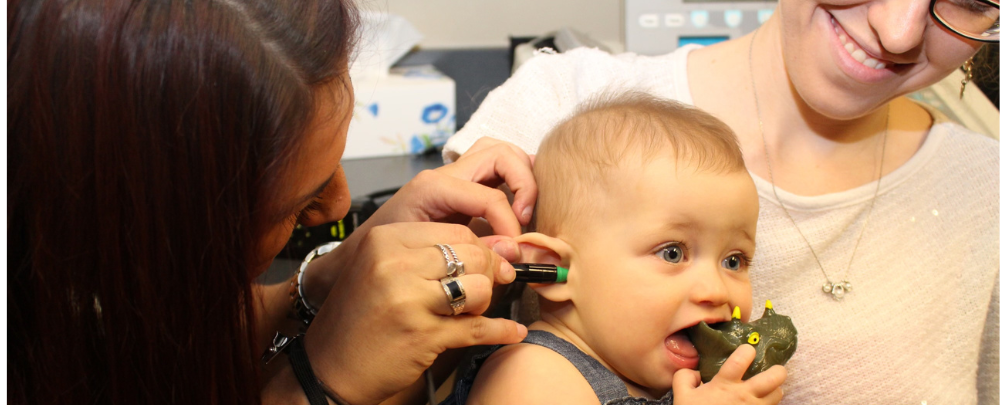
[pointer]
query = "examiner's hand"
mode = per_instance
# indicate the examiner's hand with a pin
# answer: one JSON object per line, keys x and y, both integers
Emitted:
{"x": 466, "y": 189}
{"x": 727, "y": 387}
{"x": 387, "y": 316}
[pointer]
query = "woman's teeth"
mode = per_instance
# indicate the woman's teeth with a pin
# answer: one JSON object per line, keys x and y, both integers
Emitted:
{"x": 859, "y": 55}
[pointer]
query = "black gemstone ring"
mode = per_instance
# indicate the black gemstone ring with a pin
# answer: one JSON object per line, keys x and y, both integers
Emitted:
{"x": 456, "y": 294}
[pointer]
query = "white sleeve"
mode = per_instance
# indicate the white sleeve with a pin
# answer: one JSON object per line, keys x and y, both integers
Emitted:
{"x": 548, "y": 88}
{"x": 523, "y": 109}
{"x": 988, "y": 383}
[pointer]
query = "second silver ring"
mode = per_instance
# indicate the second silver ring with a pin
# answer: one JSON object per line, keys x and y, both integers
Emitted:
{"x": 456, "y": 267}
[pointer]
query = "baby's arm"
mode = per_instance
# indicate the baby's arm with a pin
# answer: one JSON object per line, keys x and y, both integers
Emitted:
{"x": 727, "y": 387}
{"x": 530, "y": 374}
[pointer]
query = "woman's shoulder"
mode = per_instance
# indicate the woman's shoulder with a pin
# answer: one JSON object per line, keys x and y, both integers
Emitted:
{"x": 945, "y": 127}
{"x": 946, "y": 148}
{"x": 548, "y": 87}
{"x": 526, "y": 373}
{"x": 627, "y": 58}
{"x": 587, "y": 54}
{"x": 585, "y": 66}
{"x": 961, "y": 147}
{"x": 957, "y": 164}
{"x": 965, "y": 135}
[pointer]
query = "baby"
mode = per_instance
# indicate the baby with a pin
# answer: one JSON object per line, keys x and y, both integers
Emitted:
{"x": 649, "y": 205}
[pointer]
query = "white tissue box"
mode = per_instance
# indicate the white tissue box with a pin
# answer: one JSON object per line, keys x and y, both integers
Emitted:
{"x": 408, "y": 111}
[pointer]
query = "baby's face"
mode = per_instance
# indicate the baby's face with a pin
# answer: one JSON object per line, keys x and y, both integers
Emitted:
{"x": 670, "y": 249}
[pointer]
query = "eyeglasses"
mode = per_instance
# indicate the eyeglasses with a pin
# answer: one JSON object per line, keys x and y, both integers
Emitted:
{"x": 973, "y": 19}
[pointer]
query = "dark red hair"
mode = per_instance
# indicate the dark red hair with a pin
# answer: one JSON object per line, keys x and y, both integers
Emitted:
{"x": 147, "y": 141}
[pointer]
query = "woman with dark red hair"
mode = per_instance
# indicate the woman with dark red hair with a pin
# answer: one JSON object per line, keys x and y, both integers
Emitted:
{"x": 160, "y": 154}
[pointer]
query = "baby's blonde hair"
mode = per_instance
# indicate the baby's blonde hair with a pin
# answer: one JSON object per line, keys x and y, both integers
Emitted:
{"x": 578, "y": 157}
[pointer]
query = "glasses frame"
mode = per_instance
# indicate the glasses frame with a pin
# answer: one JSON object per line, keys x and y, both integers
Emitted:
{"x": 945, "y": 24}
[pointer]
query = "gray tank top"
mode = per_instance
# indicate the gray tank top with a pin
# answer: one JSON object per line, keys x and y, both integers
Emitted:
{"x": 609, "y": 388}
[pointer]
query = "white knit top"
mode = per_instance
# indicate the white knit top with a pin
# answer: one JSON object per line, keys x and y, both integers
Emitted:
{"x": 921, "y": 324}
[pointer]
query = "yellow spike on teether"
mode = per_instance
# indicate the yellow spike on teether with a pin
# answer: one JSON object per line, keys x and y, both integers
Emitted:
{"x": 767, "y": 304}
{"x": 736, "y": 313}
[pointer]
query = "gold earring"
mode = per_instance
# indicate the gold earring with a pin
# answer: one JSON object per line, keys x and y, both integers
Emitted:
{"x": 967, "y": 68}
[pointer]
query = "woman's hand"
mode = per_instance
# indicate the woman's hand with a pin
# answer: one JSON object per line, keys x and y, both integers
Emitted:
{"x": 454, "y": 193}
{"x": 727, "y": 387}
{"x": 384, "y": 316}
{"x": 388, "y": 318}
{"x": 466, "y": 189}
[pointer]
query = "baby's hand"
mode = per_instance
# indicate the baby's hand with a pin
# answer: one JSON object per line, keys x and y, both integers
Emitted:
{"x": 727, "y": 387}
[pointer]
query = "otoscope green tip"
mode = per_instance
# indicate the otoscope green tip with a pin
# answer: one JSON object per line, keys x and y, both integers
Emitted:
{"x": 561, "y": 273}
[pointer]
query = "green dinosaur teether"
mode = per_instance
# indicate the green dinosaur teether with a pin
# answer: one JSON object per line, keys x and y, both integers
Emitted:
{"x": 773, "y": 336}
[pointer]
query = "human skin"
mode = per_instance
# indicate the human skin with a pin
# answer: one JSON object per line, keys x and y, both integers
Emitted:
{"x": 708, "y": 217}
{"x": 824, "y": 113}
{"x": 624, "y": 303}
{"x": 380, "y": 293}
{"x": 317, "y": 191}
{"x": 900, "y": 34}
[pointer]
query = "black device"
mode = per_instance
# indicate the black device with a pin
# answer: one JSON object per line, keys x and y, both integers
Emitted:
{"x": 304, "y": 238}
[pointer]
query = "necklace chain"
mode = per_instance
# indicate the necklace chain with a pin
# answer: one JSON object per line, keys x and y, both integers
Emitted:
{"x": 837, "y": 290}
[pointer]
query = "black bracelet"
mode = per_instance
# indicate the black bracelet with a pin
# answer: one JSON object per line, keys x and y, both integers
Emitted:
{"x": 316, "y": 392}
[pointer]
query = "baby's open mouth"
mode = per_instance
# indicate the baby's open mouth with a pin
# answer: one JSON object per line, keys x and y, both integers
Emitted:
{"x": 679, "y": 344}
{"x": 681, "y": 350}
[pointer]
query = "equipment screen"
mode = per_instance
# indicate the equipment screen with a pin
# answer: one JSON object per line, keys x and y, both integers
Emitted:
{"x": 706, "y": 41}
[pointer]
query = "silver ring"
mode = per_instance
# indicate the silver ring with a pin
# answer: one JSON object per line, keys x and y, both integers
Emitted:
{"x": 449, "y": 263}
{"x": 457, "y": 265}
{"x": 456, "y": 294}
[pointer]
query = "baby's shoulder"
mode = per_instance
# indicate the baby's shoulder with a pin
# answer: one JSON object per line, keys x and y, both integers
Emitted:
{"x": 526, "y": 373}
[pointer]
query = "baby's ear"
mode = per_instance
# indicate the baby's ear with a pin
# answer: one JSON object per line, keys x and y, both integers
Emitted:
{"x": 540, "y": 248}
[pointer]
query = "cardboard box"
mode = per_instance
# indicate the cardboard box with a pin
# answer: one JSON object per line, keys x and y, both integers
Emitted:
{"x": 408, "y": 111}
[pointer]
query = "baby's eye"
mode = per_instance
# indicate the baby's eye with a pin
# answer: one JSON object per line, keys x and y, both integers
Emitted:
{"x": 672, "y": 253}
{"x": 733, "y": 262}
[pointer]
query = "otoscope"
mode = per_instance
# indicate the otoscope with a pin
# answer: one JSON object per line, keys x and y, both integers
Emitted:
{"x": 539, "y": 273}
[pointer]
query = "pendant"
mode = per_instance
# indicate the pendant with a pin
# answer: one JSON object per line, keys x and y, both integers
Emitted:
{"x": 838, "y": 290}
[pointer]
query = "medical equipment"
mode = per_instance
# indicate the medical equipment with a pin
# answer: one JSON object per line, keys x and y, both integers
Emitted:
{"x": 539, "y": 273}
{"x": 656, "y": 27}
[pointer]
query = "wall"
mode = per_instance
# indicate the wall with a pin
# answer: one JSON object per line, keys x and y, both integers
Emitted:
{"x": 453, "y": 24}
